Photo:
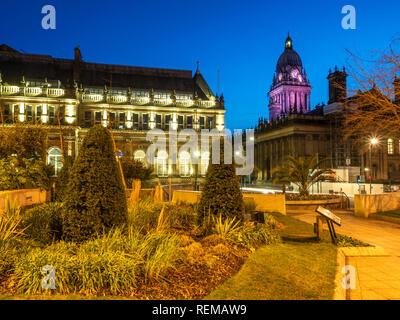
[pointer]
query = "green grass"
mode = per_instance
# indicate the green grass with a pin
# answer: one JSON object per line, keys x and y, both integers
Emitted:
{"x": 301, "y": 268}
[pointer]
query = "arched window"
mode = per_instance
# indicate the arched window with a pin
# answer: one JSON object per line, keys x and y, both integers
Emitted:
{"x": 54, "y": 158}
{"x": 390, "y": 146}
{"x": 184, "y": 164}
{"x": 140, "y": 155}
{"x": 162, "y": 164}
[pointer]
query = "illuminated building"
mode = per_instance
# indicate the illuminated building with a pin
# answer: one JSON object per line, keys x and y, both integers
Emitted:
{"x": 76, "y": 95}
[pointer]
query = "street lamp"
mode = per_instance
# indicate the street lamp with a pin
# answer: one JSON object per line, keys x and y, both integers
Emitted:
{"x": 372, "y": 142}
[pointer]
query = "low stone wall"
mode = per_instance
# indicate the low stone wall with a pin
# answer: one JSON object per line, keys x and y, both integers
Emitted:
{"x": 365, "y": 205}
{"x": 25, "y": 197}
{"x": 189, "y": 197}
{"x": 312, "y": 205}
{"x": 264, "y": 202}
{"x": 268, "y": 202}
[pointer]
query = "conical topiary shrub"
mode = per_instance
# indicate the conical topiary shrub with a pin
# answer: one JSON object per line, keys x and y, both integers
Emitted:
{"x": 95, "y": 200}
{"x": 221, "y": 193}
{"x": 62, "y": 179}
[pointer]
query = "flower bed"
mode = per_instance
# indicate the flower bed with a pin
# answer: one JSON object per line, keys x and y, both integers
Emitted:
{"x": 310, "y": 203}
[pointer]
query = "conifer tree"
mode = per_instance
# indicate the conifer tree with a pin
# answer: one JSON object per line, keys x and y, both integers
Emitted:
{"x": 221, "y": 193}
{"x": 95, "y": 200}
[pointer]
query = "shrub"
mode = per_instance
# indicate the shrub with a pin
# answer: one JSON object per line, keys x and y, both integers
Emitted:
{"x": 270, "y": 221}
{"x": 95, "y": 200}
{"x": 10, "y": 221}
{"x": 221, "y": 194}
{"x": 225, "y": 228}
{"x": 26, "y": 141}
{"x": 143, "y": 215}
{"x": 253, "y": 237}
{"x": 181, "y": 216}
{"x": 44, "y": 222}
{"x": 346, "y": 241}
{"x": 111, "y": 263}
{"x": 24, "y": 174}
{"x": 249, "y": 205}
{"x": 62, "y": 179}
{"x": 134, "y": 169}
{"x": 8, "y": 255}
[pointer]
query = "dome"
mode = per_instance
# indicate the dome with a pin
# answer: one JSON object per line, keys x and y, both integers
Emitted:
{"x": 289, "y": 58}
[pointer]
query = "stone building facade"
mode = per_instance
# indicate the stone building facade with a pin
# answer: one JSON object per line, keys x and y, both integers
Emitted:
{"x": 71, "y": 95}
{"x": 294, "y": 129}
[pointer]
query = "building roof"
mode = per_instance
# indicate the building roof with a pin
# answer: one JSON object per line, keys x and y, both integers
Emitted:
{"x": 14, "y": 65}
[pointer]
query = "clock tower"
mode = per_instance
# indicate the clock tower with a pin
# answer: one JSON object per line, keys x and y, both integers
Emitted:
{"x": 290, "y": 91}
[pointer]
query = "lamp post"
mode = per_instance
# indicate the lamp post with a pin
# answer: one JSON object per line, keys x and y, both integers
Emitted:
{"x": 372, "y": 142}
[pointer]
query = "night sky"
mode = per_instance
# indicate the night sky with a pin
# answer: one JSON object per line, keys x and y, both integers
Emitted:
{"x": 241, "y": 39}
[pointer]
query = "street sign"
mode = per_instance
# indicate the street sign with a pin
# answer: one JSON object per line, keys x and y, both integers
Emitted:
{"x": 329, "y": 215}
{"x": 330, "y": 220}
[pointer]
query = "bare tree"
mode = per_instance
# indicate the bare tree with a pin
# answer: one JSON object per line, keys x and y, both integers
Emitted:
{"x": 373, "y": 110}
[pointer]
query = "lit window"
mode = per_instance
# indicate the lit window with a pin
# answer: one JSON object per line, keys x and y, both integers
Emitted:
{"x": 162, "y": 164}
{"x": 390, "y": 146}
{"x": 140, "y": 156}
{"x": 184, "y": 164}
{"x": 54, "y": 158}
{"x": 205, "y": 160}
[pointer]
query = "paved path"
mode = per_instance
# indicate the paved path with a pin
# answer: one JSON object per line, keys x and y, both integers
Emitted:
{"x": 377, "y": 277}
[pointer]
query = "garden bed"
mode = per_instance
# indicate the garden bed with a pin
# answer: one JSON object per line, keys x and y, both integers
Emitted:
{"x": 161, "y": 254}
{"x": 296, "y": 202}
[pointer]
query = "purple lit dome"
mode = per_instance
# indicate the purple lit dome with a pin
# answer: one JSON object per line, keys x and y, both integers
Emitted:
{"x": 289, "y": 58}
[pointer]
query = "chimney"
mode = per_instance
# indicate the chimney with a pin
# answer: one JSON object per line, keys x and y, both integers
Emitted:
{"x": 337, "y": 85}
{"x": 77, "y": 64}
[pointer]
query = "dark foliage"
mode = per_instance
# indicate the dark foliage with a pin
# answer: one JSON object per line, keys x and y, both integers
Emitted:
{"x": 95, "y": 200}
{"x": 44, "y": 222}
{"x": 134, "y": 169}
{"x": 221, "y": 193}
{"x": 62, "y": 179}
{"x": 25, "y": 141}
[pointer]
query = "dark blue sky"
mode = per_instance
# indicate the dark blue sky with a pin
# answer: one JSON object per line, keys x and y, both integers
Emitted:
{"x": 241, "y": 38}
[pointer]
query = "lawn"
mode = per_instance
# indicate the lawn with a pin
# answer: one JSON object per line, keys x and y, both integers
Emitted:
{"x": 298, "y": 269}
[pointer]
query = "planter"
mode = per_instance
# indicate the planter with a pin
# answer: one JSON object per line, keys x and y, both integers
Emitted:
{"x": 312, "y": 205}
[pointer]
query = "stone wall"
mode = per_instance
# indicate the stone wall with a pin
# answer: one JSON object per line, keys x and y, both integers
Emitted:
{"x": 25, "y": 197}
{"x": 364, "y": 205}
{"x": 264, "y": 202}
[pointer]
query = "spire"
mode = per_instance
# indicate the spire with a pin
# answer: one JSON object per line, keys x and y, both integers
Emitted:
{"x": 288, "y": 42}
{"x": 198, "y": 67}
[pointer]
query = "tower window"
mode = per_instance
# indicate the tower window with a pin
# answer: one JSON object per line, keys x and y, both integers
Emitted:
{"x": 390, "y": 146}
